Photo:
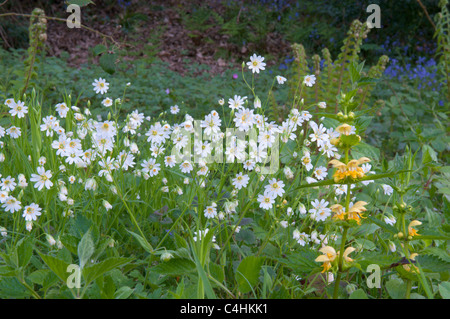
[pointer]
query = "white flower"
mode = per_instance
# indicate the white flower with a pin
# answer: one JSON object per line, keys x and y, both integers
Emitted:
{"x": 275, "y": 188}
{"x": 174, "y": 109}
{"x": 320, "y": 212}
{"x": 51, "y": 241}
{"x": 302, "y": 209}
{"x": 322, "y": 105}
{"x": 210, "y": 211}
{"x": 302, "y": 238}
{"x": 31, "y": 212}
{"x": 388, "y": 190}
{"x": 100, "y": 86}
{"x": 62, "y": 109}
{"x": 107, "y": 205}
{"x": 237, "y": 102}
{"x": 265, "y": 201}
{"x": 320, "y": 173}
{"x": 309, "y": 80}
{"x": 257, "y": 103}
{"x": 8, "y": 184}
{"x": 390, "y": 220}
{"x": 169, "y": 161}
{"x": 42, "y": 178}
{"x": 221, "y": 101}
{"x": 11, "y": 205}
{"x": 186, "y": 167}
{"x": 14, "y": 132}
{"x": 107, "y": 102}
{"x": 280, "y": 79}
{"x": 18, "y": 109}
{"x": 256, "y": 63}
{"x": 240, "y": 181}
{"x": 3, "y": 231}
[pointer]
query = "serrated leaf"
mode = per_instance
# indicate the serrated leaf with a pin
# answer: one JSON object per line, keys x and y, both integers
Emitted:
{"x": 435, "y": 251}
{"x": 432, "y": 263}
{"x": 247, "y": 273}
{"x": 91, "y": 272}
{"x": 10, "y": 287}
{"x": 174, "y": 267}
{"x": 58, "y": 266}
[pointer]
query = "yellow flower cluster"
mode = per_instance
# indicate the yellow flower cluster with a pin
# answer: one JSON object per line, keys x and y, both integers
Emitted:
{"x": 354, "y": 212}
{"x": 330, "y": 255}
{"x": 351, "y": 169}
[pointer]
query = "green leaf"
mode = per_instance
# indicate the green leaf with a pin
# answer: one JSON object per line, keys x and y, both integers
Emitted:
{"x": 123, "y": 293}
{"x": 428, "y": 155}
{"x": 85, "y": 249}
{"x": 247, "y": 273}
{"x": 91, "y": 272}
{"x": 99, "y": 49}
{"x": 396, "y": 288}
{"x": 175, "y": 267}
{"x": 81, "y": 3}
{"x": 365, "y": 150}
{"x": 358, "y": 294}
{"x": 108, "y": 62}
{"x": 58, "y": 266}
{"x": 24, "y": 251}
{"x": 444, "y": 290}
{"x": 39, "y": 276}
{"x": 10, "y": 287}
{"x": 383, "y": 225}
{"x": 143, "y": 242}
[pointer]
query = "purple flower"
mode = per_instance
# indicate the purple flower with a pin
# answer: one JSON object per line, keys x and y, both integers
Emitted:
{"x": 235, "y": 76}
{"x": 167, "y": 91}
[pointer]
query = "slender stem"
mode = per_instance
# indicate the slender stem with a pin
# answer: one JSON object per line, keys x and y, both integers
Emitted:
{"x": 340, "y": 261}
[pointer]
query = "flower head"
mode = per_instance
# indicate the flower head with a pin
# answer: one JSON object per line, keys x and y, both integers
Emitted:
{"x": 256, "y": 63}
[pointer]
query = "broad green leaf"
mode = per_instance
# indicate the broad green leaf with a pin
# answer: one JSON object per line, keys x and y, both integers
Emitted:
{"x": 396, "y": 288}
{"x": 108, "y": 62}
{"x": 358, "y": 294}
{"x": 91, "y": 272}
{"x": 444, "y": 290}
{"x": 174, "y": 267}
{"x": 58, "y": 266}
{"x": 24, "y": 251}
{"x": 123, "y": 292}
{"x": 85, "y": 249}
{"x": 99, "y": 49}
{"x": 10, "y": 287}
{"x": 247, "y": 273}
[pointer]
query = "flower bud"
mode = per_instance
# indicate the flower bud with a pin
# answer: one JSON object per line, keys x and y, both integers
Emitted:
{"x": 166, "y": 256}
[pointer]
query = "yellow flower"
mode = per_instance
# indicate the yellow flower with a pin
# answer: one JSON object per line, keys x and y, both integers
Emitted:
{"x": 347, "y": 251}
{"x": 355, "y": 212}
{"x": 339, "y": 211}
{"x": 329, "y": 255}
{"x": 412, "y": 232}
{"x": 344, "y": 129}
{"x": 408, "y": 267}
{"x": 351, "y": 169}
